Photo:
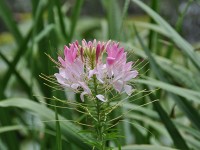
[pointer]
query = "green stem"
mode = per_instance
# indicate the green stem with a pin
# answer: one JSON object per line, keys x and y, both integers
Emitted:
{"x": 99, "y": 127}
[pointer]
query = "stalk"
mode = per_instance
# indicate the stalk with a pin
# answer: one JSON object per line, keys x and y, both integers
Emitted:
{"x": 100, "y": 126}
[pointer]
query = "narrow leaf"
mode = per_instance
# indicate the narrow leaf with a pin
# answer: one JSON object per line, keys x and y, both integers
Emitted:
{"x": 69, "y": 130}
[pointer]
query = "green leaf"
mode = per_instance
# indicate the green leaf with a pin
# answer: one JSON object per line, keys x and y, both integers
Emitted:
{"x": 124, "y": 12}
{"x": 174, "y": 133}
{"x": 114, "y": 17}
{"x": 19, "y": 77}
{"x": 58, "y": 131}
{"x": 74, "y": 17}
{"x": 20, "y": 52}
{"x": 7, "y": 17}
{"x": 189, "y": 94}
{"x": 68, "y": 129}
{"x": 44, "y": 32}
{"x": 185, "y": 77}
{"x": 189, "y": 130}
{"x": 145, "y": 147}
{"x": 10, "y": 128}
{"x": 61, "y": 20}
{"x": 151, "y": 26}
{"x": 156, "y": 125}
{"x": 179, "y": 23}
{"x": 186, "y": 107}
{"x": 186, "y": 48}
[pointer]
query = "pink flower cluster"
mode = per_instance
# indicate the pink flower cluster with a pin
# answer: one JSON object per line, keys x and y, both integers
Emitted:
{"x": 105, "y": 61}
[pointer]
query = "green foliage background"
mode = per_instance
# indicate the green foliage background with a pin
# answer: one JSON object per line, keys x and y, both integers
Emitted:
{"x": 172, "y": 71}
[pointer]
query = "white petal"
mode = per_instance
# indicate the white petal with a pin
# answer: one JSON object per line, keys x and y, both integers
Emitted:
{"x": 128, "y": 66}
{"x": 61, "y": 80}
{"x": 117, "y": 77}
{"x": 91, "y": 73}
{"x": 75, "y": 86}
{"x": 82, "y": 96}
{"x": 128, "y": 89}
{"x": 85, "y": 87}
{"x": 109, "y": 72}
{"x": 118, "y": 85}
{"x": 130, "y": 75}
{"x": 62, "y": 72}
{"x": 79, "y": 66}
{"x": 99, "y": 78}
{"x": 101, "y": 97}
{"x": 101, "y": 69}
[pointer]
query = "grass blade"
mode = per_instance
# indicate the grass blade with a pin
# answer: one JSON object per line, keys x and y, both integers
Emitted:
{"x": 74, "y": 17}
{"x": 20, "y": 53}
{"x": 145, "y": 147}
{"x": 152, "y": 38}
{"x": 187, "y": 108}
{"x": 124, "y": 12}
{"x": 10, "y": 128}
{"x": 174, "y": 133}
{"x": 181, "y": 17}
{"x": 61, "y": 20}
{"x": 21, "y": 80}
{"x": 58, "y": 131}
{"x": 114, "y": 17}
{"x": 186, "y": 48}
{"x": 194, "y": 96}
{"x": 69, "y": 130}
{"x": 6, "y": 15}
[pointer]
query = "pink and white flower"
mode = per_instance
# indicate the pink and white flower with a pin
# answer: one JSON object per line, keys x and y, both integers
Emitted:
{"x": 82, "y": 63}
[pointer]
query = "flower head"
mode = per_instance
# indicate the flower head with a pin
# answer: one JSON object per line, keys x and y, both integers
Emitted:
{"x": 84, "y": 62}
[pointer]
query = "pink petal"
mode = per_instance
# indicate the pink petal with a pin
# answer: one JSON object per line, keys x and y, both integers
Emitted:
{"x": 119, "y": 53}
{"x": 70, "y": 54}
{"x": 110, "y": 60}
{"x": 81, "y": 53}
{"x": 102, "y": 47}
{"x": 113, "y": 52}
{"x": 76, "y": 43}
{"x": 98, "y": 51}
{"x": 77, "y": 68}
{"x": 84, "y": 43}
{"x": 89, "y": 44}
{"x": 107, "y": 44}
{"x": 74, "y": 53}
{"x": 66, "y": 49}
{"x": 61, "y": 61}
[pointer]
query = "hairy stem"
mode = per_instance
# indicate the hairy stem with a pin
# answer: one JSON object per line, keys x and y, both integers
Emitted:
{"x": 100, "y": 126}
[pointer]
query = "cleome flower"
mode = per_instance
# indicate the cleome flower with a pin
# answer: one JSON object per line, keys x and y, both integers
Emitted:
{"x": 103, "y": 61}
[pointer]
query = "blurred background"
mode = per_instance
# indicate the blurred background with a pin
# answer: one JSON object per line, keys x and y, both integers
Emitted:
{"x": 163, "y": 36}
